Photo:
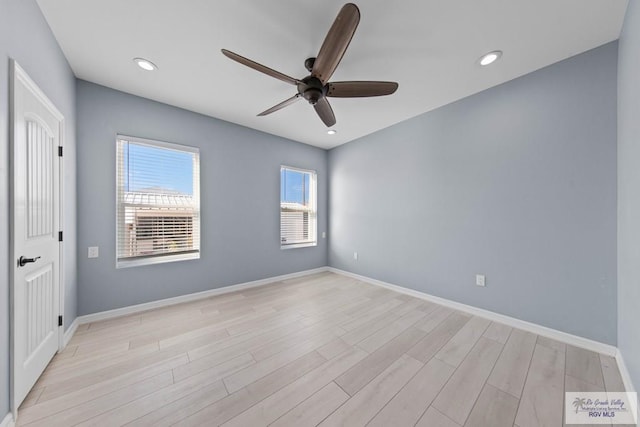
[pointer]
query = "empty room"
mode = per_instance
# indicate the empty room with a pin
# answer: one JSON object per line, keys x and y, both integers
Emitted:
{"x": 302, "y": 213}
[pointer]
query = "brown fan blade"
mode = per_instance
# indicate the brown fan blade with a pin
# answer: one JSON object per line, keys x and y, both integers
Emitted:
{"x": 323, "y": 108}
{"x": 281, "y": 105}
{"x": 336, "y": 42}
{"x": 259, "y": 67}
{"x": 361, "y": 89}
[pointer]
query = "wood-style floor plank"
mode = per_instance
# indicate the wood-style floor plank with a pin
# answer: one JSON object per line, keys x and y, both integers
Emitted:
{"x": 358, "y": 334}
{"x": 323, "y": 349}
{"x": 552, "y": 344}
{"x": 314, "y": 332}
{"x": 435, "y": 418}
{"x": 578, "y": 385}
{"x": 498, "y": 332}
{"x": 260, "y": 369}
{"x": 541, "y": 404}
{"x": 612, "y": 378}
{"x": 459, "y": 394}
{"x": 315, "y": 409}
{"x": 364, "y": 405}
{"x": 435, "y": 317}
{"x": 428, "y": 346}
{"x": 406, "y": 408}
{"x": 75, "y": 398}
{"x": 511, "y": 368}
{"x": 585, "y": 365}
{"x": 287, "y": 398}
{"x": 461, "y": 343}
{"x": 137, "y": 408}
{"x": 105, "y": 403}
{"x": 386, "y": 334}
{"x": 64, "y": 385}
{"x": 333, "y": 348}
{"x": 357, "y": 377}
{"x": 207, "y": 413}
{"x": 493, "y": 408}
{"x": 32, "y": 398}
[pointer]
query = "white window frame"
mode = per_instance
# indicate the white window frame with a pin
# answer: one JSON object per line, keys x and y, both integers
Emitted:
{"x": 160, "y": 258}
{"x": 313, "y": 202}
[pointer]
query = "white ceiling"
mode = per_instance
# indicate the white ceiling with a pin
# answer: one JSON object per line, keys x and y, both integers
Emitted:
{"x": 429, "y": 46}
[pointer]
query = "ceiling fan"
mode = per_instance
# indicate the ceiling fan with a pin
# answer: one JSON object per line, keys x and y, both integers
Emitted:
{"x": 316, "y": 87}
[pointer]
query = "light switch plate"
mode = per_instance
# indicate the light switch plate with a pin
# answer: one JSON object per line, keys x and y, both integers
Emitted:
{"x": 93, "y": 252}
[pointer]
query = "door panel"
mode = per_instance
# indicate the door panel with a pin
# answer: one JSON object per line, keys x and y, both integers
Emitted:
{"x": 39, "y": 308}
{"x": 40, "y": 164}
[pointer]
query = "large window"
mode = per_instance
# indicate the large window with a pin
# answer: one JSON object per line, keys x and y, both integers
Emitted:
{"x": 158, "y": 202}
{"x": 297, "y": 207}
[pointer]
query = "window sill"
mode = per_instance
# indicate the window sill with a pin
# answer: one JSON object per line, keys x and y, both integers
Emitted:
{"x": 299, "y": 245}
{"x": 156, "y": 260}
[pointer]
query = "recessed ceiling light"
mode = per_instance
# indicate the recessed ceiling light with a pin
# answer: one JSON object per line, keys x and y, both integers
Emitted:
{"x": 490, "y": 58}
{"x": 145, "y": 64}
{"x": 332, "y": 131}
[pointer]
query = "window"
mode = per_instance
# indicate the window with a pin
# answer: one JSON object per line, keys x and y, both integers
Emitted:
{"x": 297, "y": 208}
{"x": 158, "y": 202}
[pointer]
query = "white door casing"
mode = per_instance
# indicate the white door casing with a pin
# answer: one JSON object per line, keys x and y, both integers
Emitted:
{"x": 37, "y": 132}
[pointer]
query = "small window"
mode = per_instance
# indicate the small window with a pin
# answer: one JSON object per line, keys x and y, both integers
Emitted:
{"x": 297, "y": 208}
{"x": 158, "y": 202}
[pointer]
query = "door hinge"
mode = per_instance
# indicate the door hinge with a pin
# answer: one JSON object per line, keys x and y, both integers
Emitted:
{"x": 59, "y": 320}
{"x": 59, "y": 236}
{"x": 60, "y": 151}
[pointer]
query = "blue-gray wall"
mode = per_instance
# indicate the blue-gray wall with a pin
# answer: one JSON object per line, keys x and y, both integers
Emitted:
{"x": 26, "y": 37}
{"x": 240, "y": 199}
{"x": 629, "y": 192}
{"x": 517, "y": 182}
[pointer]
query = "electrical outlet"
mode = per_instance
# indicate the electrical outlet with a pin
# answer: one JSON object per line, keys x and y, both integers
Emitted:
{"x": 324, "y": 235}
{"x": 480, "y": 279}
{"x": 355, "y": 256}
{"x": 93, "y": 252}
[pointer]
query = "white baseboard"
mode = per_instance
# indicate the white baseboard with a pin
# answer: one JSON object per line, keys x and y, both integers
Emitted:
{"x": 7, "y": 421}
{"x": 68, "y": 334}
{"x": 624, "y": 372}
{"x": 118, "y": 312}
{"x": 574, "y": 340}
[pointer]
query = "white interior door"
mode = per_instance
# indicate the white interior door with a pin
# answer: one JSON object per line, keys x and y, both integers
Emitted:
{"x": 37, "y": 131}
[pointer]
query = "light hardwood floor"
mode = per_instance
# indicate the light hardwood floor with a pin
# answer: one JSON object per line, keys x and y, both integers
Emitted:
{"x": 319, "y": 350}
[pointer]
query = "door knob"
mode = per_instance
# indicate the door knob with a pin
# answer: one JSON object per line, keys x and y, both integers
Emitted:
{"x": 24, "y": 260}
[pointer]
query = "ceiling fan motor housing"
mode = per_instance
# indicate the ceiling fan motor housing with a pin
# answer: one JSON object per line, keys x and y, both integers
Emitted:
{"x": 312, "y": 89}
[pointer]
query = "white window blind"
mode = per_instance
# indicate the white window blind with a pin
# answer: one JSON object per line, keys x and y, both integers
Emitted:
{"x": 298, "y": 217}
{"x": 158, "y": 202}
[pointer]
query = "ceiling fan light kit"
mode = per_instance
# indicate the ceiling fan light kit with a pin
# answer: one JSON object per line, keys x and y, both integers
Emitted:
{"x": 316, "y": 88}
